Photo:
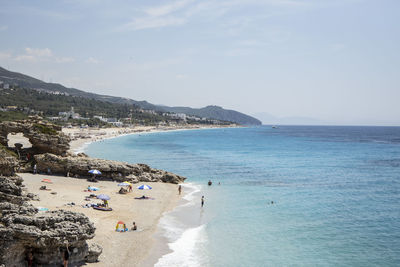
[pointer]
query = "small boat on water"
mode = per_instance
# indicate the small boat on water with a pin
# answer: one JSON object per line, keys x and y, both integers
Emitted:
{"x": 274, "y": 127}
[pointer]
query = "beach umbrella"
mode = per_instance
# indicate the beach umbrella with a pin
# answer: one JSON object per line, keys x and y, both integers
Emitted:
{"x": 95, "y": 172}
{"x": 103, "y": 197}
{"x": 144, "y": 187}
{"x": 124, "y": 184}
{"x": 128, "y": 183}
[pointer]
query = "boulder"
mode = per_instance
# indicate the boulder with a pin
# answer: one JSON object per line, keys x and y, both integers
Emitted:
{"x": 8, "y": 162}
{"x": 94, "y": 252}
{"x": 23, "y": 229}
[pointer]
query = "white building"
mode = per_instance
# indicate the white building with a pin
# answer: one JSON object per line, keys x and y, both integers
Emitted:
{"x": 70, "y": 114}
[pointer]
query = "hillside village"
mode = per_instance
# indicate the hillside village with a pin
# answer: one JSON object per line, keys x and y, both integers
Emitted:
{"x": 81, "y": 116}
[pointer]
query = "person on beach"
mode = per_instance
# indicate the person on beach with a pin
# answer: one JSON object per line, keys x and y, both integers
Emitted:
{"x": 29, "y": 258}
{"x": 202, "y": 201}
{"x": 134, "y": 228}
{"x": 209, "y": 182}
{"x": 180, "y": 189}
{"x": 35, "y": 169}
{"x": 66, "y": 256}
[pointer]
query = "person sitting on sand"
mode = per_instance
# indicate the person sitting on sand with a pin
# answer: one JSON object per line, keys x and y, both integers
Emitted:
{"x": 134, "y": 227}
{"x": 122, "y": 191}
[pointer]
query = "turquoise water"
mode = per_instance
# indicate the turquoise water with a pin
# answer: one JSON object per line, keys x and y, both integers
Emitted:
{"x": 336, "y": 193}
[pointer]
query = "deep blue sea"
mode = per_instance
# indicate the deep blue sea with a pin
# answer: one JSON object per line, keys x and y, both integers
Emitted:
{"x": 336, "y": 194}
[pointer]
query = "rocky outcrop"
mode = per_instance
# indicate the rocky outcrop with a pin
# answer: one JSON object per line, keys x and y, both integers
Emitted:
{"x": 43, "y": 136}
{"x": 8, "y": 162}
{"x": 119, "y": 171}
{"x": 23, "y": 229}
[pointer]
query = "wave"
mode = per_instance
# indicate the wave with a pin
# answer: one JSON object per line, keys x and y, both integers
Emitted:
{"x": 185, "y": 238}
{"x": 185, "y": 249}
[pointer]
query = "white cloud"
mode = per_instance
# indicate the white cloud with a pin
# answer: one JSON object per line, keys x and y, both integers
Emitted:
{"x": 180, "y": 76}
{"x": 37, "y": 52}
{"x": 177, "y": 13}
{"x": 25, "y": 58}
{"x": 4, "y": 55}
{"x": 167, "y": 9}
{"x": 92, "y": 60}
{"x": 159, "y": 16}
{"x": 64, "y": 59}
{"x": 153, "y": 22}
{"x": 41, "y": 54}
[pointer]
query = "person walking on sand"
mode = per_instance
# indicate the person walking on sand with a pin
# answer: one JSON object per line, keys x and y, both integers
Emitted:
{"x": 66, "y": 256}
{"x": 179, "y": 189}
{"x": 202, "y": 201}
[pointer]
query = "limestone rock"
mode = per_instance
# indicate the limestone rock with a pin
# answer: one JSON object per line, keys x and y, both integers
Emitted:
{"x": 94, "y": 252}
{"x": 43, "y": 136}
{"x": 22, "y": 229}
{"x": 8, "y": 162}
{"x": 119, "y": 171}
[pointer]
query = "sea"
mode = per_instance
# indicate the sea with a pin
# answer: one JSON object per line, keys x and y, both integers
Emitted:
{"x": 285, "y": 196}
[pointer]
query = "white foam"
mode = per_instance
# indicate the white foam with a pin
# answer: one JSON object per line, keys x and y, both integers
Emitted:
{"x": 171, "y": 227}
{"x": 82, "y": 148}
{"x": 169, "y": 223}
{"x": 193, "y": 189}
{"x": 186, "y": 249}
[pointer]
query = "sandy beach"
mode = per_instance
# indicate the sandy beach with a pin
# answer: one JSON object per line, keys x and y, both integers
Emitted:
{"x": 84, "y": 136}
{"x": 119, "y": 249}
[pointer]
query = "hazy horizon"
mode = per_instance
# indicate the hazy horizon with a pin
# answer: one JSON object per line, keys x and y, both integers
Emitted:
{"x": 328, "y": 62}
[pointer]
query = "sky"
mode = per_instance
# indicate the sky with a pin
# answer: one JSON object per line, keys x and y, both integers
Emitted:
{"x": 324, "y": 61}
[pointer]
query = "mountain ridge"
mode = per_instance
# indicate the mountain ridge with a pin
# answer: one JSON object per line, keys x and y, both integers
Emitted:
{"x": 210, "y": 111}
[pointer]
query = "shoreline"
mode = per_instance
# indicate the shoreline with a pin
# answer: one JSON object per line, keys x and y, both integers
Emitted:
{"x": 83, "y": 137}
{"x": 141, "y": 248}
{"x": 153, "y": 244}
{"x": 173, "y": 246}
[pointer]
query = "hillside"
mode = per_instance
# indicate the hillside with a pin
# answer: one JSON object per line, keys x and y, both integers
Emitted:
{"x": 216, "y": 112}
{"x": 211, "y": 112}
{"x": 50, "y": 105}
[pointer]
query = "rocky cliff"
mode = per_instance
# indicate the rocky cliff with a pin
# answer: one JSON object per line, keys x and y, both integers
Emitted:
{"x": 119, "y": 171}
{"x": 43, "y": 136}
{"x": 8, "y": 162}
{"x": 24, "y": 229}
